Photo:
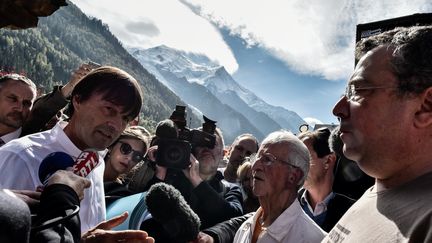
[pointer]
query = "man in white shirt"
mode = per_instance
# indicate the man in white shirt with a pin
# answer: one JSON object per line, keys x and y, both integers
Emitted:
{"x": 17, "y": 94}
{"x": 280, "y": 169}
{"x": 102, "y": 104}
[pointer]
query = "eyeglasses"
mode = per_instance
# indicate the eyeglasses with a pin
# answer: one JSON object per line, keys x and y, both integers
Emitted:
{"x": 351, "y": 92}
{"x": 126, "y": 149}
{"x": 269, "y": 159}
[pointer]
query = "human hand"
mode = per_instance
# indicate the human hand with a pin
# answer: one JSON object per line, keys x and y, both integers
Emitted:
{"x": 76, "y": 76}
{"x": 68, "y": 178}
{"x": 103, "y": 233}
{"x": 192, "y": 172}
{"x": 161, "y": 172}
{"x": 151, "y": 153}
{"x": 203, "y": 238}
{"x": 31, "y": 198}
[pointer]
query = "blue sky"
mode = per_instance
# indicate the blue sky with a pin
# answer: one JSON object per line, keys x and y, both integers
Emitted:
{"x": 294, "y": 54}
{"x": 274, "y": 82}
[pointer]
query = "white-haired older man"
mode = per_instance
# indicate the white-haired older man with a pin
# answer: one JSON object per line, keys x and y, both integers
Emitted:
{"x": 280, "y": 169}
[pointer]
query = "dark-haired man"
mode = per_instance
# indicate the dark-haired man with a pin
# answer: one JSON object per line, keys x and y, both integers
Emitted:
{"x": 17, "y": 94}
{"x": 386, "y": 127}
{"x": 317, "y": 198}
{"x": 102, "y": 104}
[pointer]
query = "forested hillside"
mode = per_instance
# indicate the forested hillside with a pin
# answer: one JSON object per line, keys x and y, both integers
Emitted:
{"x": 61, "y": 42}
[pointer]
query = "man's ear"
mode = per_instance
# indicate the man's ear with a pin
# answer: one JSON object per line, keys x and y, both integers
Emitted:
{"x": 330, "y": 160}
{"x": 423, "y": 116}
{"x": 76, "y": 101}
{"x": 295, "y": 176}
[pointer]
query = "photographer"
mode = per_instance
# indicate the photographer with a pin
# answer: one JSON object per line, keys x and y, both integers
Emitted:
{"x": 198, "y": 179}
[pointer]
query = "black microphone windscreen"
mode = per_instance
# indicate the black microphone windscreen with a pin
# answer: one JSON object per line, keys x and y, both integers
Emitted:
{"x": 169, "y": 208}
{"x": 54, "y": 162}
{"x": 166, "y": 129}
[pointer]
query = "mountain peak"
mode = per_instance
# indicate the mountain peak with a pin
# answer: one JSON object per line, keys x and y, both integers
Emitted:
{"x": 177, "y": 69}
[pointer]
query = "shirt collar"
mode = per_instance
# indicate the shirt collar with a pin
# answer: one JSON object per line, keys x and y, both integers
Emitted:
{"x": 12, "y": 135}
{"x": 283, "y": 224}
{"x": 320, "y": 207}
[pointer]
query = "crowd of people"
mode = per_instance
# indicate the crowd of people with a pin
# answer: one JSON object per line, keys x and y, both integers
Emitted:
{"x": 286, "y": 188}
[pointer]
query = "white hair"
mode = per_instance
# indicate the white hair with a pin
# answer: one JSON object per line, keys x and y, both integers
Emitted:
{"x": 298, "y": 152}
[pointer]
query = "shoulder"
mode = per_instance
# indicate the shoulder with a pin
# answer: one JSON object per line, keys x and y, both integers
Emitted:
{"x": 26, "y": 143}
{"x": 311, "y": 232}
{"x": 422, "y": 228}
{"x": 340, "y": 200}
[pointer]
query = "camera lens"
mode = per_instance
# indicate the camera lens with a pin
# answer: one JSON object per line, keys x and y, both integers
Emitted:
{"x": 174, "y": 154}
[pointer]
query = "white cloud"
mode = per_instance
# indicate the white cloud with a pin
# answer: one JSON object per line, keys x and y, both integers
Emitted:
{"x": 312, "y": 37}
{"x": 150, "y": 23}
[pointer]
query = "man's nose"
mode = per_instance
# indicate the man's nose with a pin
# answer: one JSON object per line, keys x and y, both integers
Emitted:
{"x": 341, "y": 108}
{"x": 117, "y": 123}
{"x": 18, "y": 106}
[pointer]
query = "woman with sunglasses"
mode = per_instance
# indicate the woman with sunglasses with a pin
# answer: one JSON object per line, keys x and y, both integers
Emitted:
{"x": 129, "y": 149}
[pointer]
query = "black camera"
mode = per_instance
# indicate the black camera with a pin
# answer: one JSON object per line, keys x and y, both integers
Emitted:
{"x": 173, "y": 153}
{"x": 174, "y": 149}
{"x": 198, "y": 138}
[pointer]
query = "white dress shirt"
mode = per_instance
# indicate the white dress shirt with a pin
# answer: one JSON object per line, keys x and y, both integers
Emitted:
{"x": 19, "y": 166}
{"x": 11, "y": 136}
{"x": 293, "y": 225}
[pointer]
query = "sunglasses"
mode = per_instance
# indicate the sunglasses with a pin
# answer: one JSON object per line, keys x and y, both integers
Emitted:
{"x": 126, "y": 149}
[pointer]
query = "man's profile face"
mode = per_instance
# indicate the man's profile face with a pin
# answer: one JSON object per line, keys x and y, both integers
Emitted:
{"x": 241, "y": 149}
{"x": 16, "y": 100}
{"x": 316, "y": 166}
{"x": 209, "y": 158}
{"x": 375, "y": 126}
{"x": 96, "y": 122}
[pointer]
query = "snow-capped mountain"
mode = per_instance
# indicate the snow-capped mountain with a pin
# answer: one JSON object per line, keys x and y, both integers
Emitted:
{"x": 184, "y": 72}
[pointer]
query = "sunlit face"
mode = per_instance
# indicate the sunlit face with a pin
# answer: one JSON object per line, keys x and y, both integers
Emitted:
{"x": 209, "y": 159}
{"x": 16, "y": 100}
{"x": 241, "y": 149}
{"x": 96, "y": 123}
{"x": 120, "y": 160}
{"x": 316, "y": 165}
{"x": 271, "y": 179}
{"x": 375, "y": 126}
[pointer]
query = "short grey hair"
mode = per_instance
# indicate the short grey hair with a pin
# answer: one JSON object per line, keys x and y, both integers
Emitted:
{"x": 17, "y": 77}
{"x": 298, "y": 152}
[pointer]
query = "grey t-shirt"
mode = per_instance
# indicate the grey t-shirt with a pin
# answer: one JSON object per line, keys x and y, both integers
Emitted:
{"x": 399, "y": 214}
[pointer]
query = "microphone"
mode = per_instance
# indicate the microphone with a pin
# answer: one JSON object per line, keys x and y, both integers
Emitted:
{"x": 52, "y": 163}
{"x": 168, "y": 207}
{"x": 55, "y": 161}
{"x": 166, "y": 129}
{"x": 85, "y": 163}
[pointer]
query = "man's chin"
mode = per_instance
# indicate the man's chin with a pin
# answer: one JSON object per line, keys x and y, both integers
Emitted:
{"x": 14, "y": 124}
